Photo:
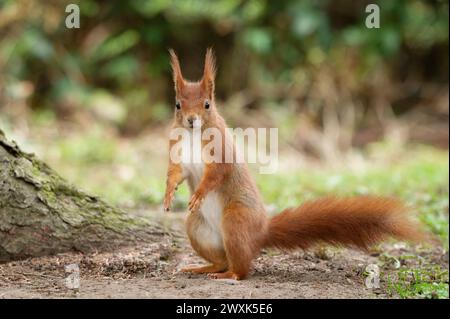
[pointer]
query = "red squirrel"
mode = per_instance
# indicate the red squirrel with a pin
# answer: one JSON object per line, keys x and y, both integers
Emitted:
{"x": 227, "y": 224}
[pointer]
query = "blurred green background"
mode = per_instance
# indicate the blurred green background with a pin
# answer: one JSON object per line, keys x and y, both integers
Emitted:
{"x": 358, "y": 110}
{"x": 314, "y": 58}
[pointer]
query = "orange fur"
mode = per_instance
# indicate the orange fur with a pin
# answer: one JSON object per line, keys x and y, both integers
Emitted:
{"x": 357, "y": 222}
{"x": 244, "y": 226}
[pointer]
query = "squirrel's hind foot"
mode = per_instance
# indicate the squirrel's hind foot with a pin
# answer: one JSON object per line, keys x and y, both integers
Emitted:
{"x": 225, "y": 275}
{"x": 204, "y": 269}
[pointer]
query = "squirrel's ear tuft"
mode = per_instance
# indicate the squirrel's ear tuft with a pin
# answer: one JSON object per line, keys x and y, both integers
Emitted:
{"x": 178, "y": 79}
{"x": 209, "y": 72}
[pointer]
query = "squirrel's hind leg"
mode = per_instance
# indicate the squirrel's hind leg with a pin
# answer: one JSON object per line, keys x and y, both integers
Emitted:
{"x": 242, "y": 228}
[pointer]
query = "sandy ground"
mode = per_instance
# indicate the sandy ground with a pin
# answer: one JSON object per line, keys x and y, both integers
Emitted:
{"x": 151, "y": 271}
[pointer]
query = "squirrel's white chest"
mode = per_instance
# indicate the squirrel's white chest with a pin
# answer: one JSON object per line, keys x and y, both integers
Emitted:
{"x": 209, "y": 232}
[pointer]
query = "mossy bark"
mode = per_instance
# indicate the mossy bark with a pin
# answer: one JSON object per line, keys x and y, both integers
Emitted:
{"x": 41, "y": 213}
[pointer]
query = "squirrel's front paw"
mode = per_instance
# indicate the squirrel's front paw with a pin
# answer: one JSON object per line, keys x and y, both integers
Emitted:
{"x": 168, "y": 200}
{"x": 195, "y": 202}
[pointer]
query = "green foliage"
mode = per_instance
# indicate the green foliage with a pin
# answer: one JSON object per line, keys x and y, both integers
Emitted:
{"x": 122, "y": 45}
{"x": 116, "y": 44}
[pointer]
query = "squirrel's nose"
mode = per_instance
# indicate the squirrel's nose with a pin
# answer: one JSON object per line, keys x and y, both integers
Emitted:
{"x": 191, "y": 119}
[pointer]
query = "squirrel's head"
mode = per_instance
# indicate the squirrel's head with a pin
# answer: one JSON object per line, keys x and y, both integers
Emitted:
{"x": 194, "y": 101}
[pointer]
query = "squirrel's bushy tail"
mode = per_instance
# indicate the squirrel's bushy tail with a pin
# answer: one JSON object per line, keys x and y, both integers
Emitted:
{"x": 357, "y": 222}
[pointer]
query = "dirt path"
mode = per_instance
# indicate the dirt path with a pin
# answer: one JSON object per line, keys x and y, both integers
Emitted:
{"x": 151, "y": 271}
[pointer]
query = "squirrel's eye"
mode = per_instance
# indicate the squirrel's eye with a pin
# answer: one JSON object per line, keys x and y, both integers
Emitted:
{"x": 206, "y": 104}
{"x": 177, "y": 105}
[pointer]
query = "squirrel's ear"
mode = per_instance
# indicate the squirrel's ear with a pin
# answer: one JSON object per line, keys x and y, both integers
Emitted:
{"x": 178, "y": 79}
{"x": 209, "y": 72}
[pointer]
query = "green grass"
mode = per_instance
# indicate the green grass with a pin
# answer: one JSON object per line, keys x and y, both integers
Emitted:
{"x": 429, "y": 282}
{"x": 414, "y": 275}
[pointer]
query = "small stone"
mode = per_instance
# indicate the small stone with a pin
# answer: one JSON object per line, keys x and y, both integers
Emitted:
{"x": 229, "y": 281}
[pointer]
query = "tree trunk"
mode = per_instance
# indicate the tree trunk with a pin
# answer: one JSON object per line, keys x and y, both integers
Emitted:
{"x": 41, "y": 213}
